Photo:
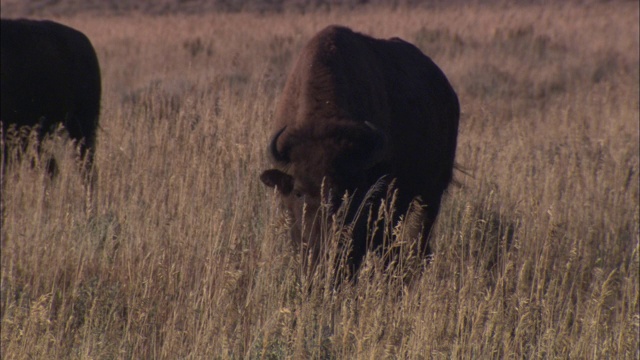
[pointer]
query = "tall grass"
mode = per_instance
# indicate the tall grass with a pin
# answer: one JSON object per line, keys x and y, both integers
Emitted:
{"x": 181, "y": 252}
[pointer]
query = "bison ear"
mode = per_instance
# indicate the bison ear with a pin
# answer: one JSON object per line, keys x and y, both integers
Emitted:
{"x": 276, "y": 178}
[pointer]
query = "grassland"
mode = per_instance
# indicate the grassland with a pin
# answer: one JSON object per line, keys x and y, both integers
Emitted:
{"x": 181, "y": 253}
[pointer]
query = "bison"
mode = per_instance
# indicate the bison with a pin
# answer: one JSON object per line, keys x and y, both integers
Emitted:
{"x": 50, "y": 76}
{"x": 356, "y": 111}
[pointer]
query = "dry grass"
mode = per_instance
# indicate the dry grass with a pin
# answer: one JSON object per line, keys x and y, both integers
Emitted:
{"x": 181, "y": 252}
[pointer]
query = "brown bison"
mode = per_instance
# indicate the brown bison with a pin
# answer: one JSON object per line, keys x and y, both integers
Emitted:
{"x": 50, "y": 76}
{"x": 355, "y": 111}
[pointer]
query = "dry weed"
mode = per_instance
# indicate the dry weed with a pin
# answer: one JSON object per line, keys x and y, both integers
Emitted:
{"x": 186, "y": 255}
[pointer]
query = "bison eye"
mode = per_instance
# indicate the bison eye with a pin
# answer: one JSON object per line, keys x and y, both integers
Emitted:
{"x": 297, "y": 193}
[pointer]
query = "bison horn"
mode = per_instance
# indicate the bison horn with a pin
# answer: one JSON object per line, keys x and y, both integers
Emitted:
{"x": 273, "y": 148}
{"x": 378, "y": 146}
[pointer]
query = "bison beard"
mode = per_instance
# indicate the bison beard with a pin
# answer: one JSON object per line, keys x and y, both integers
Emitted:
{"x": 357, "y": 112}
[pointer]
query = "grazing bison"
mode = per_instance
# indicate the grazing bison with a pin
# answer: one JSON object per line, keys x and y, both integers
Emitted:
{"x": 356, "y": 110}
{"x": 50, "y": 76}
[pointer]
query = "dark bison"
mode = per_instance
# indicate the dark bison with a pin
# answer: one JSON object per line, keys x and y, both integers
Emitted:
{"x": 50, "y": 76}
{"x": 356, "y": 110}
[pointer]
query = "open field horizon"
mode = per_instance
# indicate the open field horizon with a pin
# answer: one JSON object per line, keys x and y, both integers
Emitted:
{"x": 182, "y": 253}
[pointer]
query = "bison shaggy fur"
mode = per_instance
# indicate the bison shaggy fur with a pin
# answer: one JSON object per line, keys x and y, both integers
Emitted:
{"x": 355, "y": 111}
{"x": 50, "y": 76}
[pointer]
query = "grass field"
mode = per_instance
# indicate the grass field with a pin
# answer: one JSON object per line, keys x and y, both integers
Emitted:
{"x": 182, "y": 253}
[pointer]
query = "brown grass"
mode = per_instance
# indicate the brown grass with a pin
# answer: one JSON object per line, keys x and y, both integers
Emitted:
{"x": 181, "y": 253}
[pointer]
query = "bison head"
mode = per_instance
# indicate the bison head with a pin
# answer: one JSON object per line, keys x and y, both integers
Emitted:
{"x": 312, "y": 170}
